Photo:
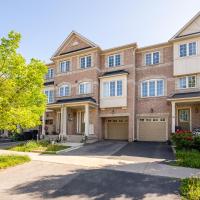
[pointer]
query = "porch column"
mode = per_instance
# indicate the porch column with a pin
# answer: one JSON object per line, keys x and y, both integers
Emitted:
{"x": 173, "y": 116}
{"x": 87, "y": 120}
{"x": 64, "y": 132}
{"x": 43, "y": 123}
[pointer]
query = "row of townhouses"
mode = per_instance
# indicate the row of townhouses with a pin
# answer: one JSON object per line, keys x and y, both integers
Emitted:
{"x": 124, "y": 93}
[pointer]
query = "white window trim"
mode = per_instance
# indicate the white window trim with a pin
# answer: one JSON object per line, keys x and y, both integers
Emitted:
{"x": 114, "y": 63}
{"x": 47, "y": 75}
{"x": 64, "y": 61}
{"x": 63, "y": 86}
{"x": 85, "y": 58}
{"x": 152, "y": 58}
{"x": 116, "y": 96}
{"x": 48, "y": 90}
{"x": 156, "y": 81}
{"x": 187, "y": 49}
{"x": 84, "y": 83}
{"x": 187, "y": 82}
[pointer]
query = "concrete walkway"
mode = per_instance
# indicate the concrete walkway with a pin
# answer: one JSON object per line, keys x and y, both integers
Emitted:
{"x": 148, "y": 166}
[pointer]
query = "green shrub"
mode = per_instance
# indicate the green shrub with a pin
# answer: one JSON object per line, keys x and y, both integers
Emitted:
{"x": 183, "y": 140}
{"x": 190, "y": 188}
{"x": 196, "y": 144}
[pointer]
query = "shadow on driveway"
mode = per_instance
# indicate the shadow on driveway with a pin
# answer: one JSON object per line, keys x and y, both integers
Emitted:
{"x": 99, "y": 184}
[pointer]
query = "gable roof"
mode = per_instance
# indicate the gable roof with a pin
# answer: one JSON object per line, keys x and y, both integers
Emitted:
{"x": 178, "y": 34}
{"x": 67, "y": 40}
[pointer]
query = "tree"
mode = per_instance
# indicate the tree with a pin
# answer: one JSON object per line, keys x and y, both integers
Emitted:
{"x": 22, "y": 101}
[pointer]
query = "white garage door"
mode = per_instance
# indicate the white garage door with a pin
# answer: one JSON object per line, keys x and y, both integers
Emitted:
{"x": 152, "y": 129}
{"x": 117, "y": 128}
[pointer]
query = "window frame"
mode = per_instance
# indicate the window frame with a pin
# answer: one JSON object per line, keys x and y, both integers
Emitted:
{"x": 84, "y": 84}
{"x": 147, "y": 82}
{"x": 152, "y": 58}
{"x": 187, "y": 82}
{"x": 188, "y": 49}
{"x": 52, "y": 72}
{"x": 114, "y": 60}
{"x": 47, "y": 93}
{"x": 60, "y": 65}
{"x": 64, "y": 90}
{"x": 116, "y": 92}
{"x": 85, "y": 62}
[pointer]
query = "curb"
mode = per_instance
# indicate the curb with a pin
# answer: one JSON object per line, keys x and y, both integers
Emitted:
{"x": 173, "y": 149}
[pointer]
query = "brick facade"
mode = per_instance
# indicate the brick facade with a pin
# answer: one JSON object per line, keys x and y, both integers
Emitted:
{"x": 133, "y": 62}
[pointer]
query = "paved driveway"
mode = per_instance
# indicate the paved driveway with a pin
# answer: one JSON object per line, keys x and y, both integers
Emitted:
{"x": 42, "y": 180}
{"x": 152, "y": 150}
{"x": 104, "y": 148}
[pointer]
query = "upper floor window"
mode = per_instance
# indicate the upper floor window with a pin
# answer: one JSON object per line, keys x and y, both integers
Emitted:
{"x": 50, "y": 96}
{"x": 152, "y": 58}
{"x": 187, "y": 82}
{"x": 114, "y": 60}
{"x": 85, "y": 88}
{"x": 85, "y": 62}
{"x": 64, "y": 90}
{"x": 152, "y": 88}
{"x": 50, "y": 73}
{"x": 188, "y": 49}
{"x": 64, "y": 66}
{"x": 113, "y": 88}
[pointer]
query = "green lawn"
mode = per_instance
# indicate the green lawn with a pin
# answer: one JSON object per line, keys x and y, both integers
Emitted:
{"x": 12, "y": 160}
{"x": 190, "y": 188}
{"x": 41, "y": 146}
{"x": 190, "y": 158}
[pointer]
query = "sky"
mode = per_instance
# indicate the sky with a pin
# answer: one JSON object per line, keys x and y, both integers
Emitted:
{"x": 44, "y": 24}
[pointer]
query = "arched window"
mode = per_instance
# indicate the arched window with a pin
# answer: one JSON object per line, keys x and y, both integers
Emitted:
{"x": 64, "y": 90}
{"x": 85, "y": 87}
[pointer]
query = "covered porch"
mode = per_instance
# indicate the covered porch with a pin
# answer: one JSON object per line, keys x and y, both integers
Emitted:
{"x": 185, "y": 111}
{"x": 70, "y": 121}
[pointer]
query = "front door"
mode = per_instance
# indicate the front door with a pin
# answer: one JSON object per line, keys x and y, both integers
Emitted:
{"x": 184, "y": 118}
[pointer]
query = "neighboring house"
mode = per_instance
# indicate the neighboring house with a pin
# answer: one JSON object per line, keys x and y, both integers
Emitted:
{"x": 126, "y": 92}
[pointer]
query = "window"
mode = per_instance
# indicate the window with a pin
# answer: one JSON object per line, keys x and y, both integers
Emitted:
{"x": 64, "y": 90}
{"x": 152, "y": 88}
{"x": 148, "y": 59}
{"x": 183, "y": 50}
{"x": 50, "y": 73}
{"x": 184, "y": 115}
{"x": 152, "y": 58}
{"x": 106, "y": 89}
{"x": 192, "y": 48}
{"x": 160, "y": 86}
{"x": 187, "y": 82}
{"x": 156, "y": 58}
{"x": 64, "y": 66}
{"x": 114, "y": 60}
{"x": 188, "y": 49}
{"x": 113, "y": 88}
{"x": 85, "y": 62}
{"x": 50, "y": 96}
{"x": 85, "y": 88}
{"x": 119, "y": 88}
